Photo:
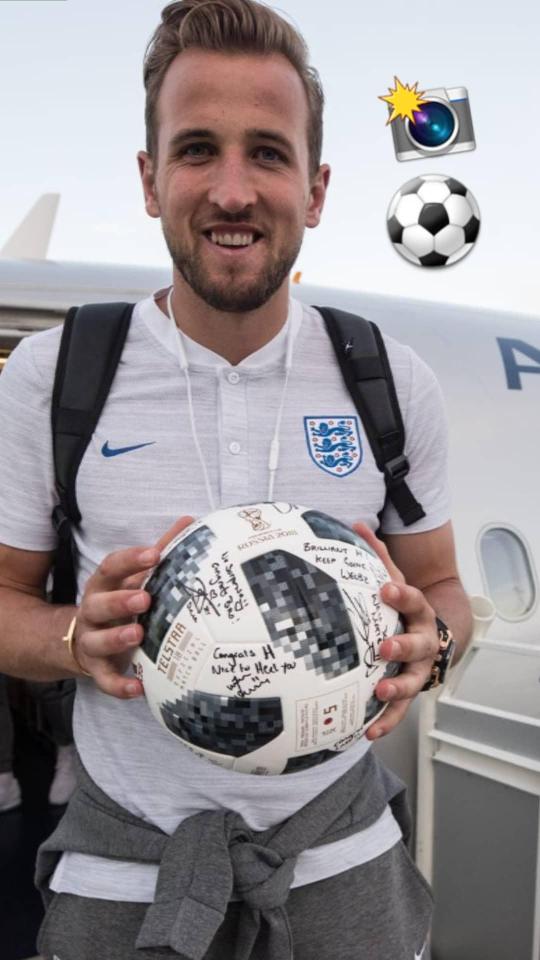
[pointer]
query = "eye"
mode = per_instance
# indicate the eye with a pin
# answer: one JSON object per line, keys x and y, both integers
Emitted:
{"x": 270, "y": 154}
{"x": 195, "y": 150}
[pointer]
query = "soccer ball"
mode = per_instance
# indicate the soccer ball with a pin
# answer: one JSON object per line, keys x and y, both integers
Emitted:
{"x": 433, "y": 220}
{"x": 261, "y": 643}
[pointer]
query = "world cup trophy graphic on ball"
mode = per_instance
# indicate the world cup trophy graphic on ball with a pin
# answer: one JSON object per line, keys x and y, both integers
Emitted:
{"x": 261, "y": 643}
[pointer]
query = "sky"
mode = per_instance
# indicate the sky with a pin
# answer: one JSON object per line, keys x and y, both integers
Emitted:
{"x": 72, "y": 106}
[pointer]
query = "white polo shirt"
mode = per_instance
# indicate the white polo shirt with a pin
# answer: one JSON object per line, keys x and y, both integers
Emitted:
{"x": 132, "y": 498}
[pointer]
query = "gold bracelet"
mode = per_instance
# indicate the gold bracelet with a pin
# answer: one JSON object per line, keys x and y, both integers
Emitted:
{"x": 70, "y": 640}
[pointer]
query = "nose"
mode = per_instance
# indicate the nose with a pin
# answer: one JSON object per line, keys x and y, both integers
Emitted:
{"x": 232, "y": 188}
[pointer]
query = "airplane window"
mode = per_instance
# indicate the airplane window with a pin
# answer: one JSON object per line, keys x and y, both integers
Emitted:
{"x": 508, "y": 573}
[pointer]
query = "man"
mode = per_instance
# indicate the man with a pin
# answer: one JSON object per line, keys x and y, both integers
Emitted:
{"x": 232, "y": 168}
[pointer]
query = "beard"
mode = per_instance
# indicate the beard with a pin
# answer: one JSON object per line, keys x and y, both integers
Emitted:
{"x": 227, "y": 294}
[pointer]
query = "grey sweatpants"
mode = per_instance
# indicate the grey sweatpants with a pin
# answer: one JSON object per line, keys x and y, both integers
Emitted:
{"x": 380, "y": 910}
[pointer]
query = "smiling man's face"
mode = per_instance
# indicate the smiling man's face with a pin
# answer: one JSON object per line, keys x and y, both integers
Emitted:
{"x": 230, "y": 181}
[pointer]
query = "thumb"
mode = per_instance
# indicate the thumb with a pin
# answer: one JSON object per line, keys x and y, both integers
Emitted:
{"x": 173, "y": 532}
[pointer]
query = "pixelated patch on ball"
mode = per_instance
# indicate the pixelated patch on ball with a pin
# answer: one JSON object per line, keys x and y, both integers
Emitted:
{"x": 328, "y": 528}
{"x": 227, "y": 725}
{"x": 304, "y": 613}
{"x": 171, "y": 586}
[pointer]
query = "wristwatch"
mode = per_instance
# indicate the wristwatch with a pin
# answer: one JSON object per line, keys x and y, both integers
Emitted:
{"x": 442, "y": 661}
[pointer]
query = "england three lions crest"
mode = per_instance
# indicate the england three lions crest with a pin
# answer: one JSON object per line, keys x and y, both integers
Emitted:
{"x": 334, "y": 443}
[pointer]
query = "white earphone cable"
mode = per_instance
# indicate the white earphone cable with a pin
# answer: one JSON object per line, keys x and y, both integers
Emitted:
{"x": 182, "y": 359}
{"x": 273, "y": 458}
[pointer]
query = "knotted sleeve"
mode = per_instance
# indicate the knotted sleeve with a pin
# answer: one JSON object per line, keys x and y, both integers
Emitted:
{"x": 208, "y": 857}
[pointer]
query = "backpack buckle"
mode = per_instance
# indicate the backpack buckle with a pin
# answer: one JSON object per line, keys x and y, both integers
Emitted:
{"x": 61, "y": 522}
{"x": 396, "y": 469}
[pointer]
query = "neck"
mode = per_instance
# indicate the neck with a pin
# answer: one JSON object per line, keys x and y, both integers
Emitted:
{"x": 233, "y": 336}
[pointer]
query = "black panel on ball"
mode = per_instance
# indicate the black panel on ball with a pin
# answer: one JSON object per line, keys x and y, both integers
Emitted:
{"x": 471, "y": 230}
{"x": 433, "y": 260}
{"x": 433, "y": 217}
{"x": 412, "y": 187}
{"x": 455, "y": 186}
{"x": 395, "y": 230}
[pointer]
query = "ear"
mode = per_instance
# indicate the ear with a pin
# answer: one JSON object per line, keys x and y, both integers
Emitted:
{"x": 317, "y": 195}
{"x": 146, "y": 170}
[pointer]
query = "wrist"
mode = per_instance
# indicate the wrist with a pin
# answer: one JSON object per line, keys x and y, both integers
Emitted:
{"x": 443, "y": 658}
{"x": 69, "y": 637}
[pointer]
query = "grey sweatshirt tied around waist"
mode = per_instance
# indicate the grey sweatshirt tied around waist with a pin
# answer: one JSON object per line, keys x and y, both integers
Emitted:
{"x": 214, "y": 855}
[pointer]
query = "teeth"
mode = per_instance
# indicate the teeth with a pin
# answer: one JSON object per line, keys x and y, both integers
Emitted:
{"x": 233, "y": 239}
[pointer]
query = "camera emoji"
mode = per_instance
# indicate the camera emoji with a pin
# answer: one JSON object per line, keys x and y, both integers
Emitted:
{"x": 442, "y": 125}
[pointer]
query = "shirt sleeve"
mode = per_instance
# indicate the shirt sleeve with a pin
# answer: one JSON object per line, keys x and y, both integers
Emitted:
{"x": 27, "y": 495}
{"x": 426, "y": 447}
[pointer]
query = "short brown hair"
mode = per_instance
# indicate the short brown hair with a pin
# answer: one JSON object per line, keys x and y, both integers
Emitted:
{"x": 235, "y": 26}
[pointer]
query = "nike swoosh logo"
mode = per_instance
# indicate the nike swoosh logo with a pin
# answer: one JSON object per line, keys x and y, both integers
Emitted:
{"x": 418, "y": 956}
{"x": 108, "y": 451}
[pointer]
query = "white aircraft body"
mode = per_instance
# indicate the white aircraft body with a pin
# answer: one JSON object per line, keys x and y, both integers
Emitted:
{"x": 485, "y": 728}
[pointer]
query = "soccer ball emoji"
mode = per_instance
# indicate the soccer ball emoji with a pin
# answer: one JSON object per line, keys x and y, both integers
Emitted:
{"x": 433, "y": 220}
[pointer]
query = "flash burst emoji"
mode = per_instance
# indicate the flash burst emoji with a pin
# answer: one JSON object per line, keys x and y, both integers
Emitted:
{"x": 404, "y": 100}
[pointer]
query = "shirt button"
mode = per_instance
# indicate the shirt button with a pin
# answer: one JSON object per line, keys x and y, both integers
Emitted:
{"x": 233, "y": 377}
{"x": 234, "y": 447}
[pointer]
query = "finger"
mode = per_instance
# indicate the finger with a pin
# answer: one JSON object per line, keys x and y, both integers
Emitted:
{"x": 392, "y": 716}
{"x": 109, "y": 675}
{"x": 136, "y": 581}
{"x": 410, "y": 647}
{"x": 115, "y": 567}
{"x": 105, "y": 607}
{"x": 411, "y": 602}
{"x": 173, "y": 532}
{"x": 380, "y": 549}
{"x": 97, "y": 644}
{"x": 406, "y": 684}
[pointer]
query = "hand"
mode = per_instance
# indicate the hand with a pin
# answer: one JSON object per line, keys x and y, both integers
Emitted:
{"x": 105, "y": 634}
{"x": 417, "y": 647}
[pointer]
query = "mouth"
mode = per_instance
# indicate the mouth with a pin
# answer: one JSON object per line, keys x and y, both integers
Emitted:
{"x": 233, "y": 243}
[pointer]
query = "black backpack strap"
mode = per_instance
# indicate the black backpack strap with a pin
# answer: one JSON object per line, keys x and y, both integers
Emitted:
{"x": 90, "y": 349}
{"x": 362, "y": 357}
